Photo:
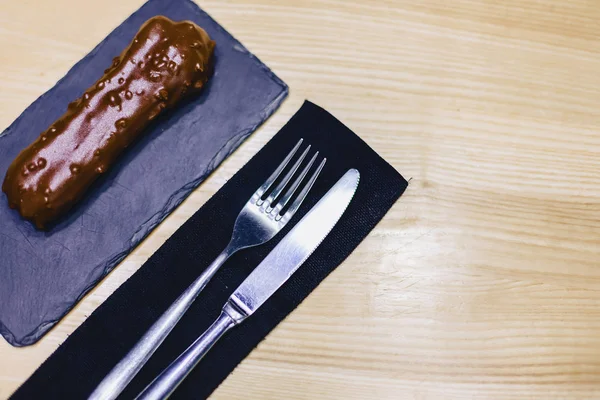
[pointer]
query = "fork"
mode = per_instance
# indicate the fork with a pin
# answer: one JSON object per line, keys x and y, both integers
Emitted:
{"x": 259, "y": 221}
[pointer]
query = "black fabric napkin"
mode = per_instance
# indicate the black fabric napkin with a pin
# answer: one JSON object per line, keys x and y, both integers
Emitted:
{"x": 79, "y": 364}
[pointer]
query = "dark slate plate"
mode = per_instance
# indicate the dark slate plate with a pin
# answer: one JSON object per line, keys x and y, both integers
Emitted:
{"x": 44, "y": 274}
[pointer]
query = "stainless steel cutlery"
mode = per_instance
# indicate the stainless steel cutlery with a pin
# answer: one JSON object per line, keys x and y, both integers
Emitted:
{"x": 259, "y": 221}
{"x": 279, "y": 265}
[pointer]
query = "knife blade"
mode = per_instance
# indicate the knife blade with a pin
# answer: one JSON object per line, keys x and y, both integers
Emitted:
{"x": 273, "y": 271}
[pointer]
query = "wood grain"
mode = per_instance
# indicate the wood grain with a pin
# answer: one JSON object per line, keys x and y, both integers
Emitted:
{"x": 483, "y": 281}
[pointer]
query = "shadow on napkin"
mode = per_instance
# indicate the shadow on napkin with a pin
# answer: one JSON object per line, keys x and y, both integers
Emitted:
{"x": 74, "y": 370}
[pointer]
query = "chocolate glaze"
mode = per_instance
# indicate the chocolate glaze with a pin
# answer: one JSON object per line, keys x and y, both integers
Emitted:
{"x": 166, "y": 61}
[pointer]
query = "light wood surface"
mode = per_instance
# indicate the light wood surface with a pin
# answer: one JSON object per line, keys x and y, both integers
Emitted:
{"x": 483, "y": 281}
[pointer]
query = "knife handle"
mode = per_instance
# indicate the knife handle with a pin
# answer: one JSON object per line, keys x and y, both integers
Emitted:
{"x": 168, "y": 380}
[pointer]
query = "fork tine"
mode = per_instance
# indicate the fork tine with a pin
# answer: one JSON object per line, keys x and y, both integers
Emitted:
{"x": 277, "y": 191}
{"x": 290, "y": 192}
{"x": 267, "y": 185}
{"x": 296, "y": 204}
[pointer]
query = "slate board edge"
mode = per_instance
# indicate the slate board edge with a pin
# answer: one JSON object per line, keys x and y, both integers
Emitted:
{"x": 175, "y": 200}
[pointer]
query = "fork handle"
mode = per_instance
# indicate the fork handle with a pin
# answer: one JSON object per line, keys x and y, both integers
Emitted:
{"x": 121, "y": 375}
{"x": 168, "y": 380}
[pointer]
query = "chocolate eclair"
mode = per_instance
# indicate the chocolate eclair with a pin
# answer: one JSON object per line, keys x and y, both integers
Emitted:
{"x": 165, "y": 62}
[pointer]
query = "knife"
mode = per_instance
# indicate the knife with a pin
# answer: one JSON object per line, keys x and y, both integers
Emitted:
{"x": 274, "y": 270}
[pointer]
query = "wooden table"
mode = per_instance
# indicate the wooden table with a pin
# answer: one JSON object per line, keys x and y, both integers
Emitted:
{"x": 483, "y": 281}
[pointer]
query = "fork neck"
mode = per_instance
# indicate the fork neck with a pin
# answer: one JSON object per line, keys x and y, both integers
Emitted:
{"x": 227, "y": 252}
